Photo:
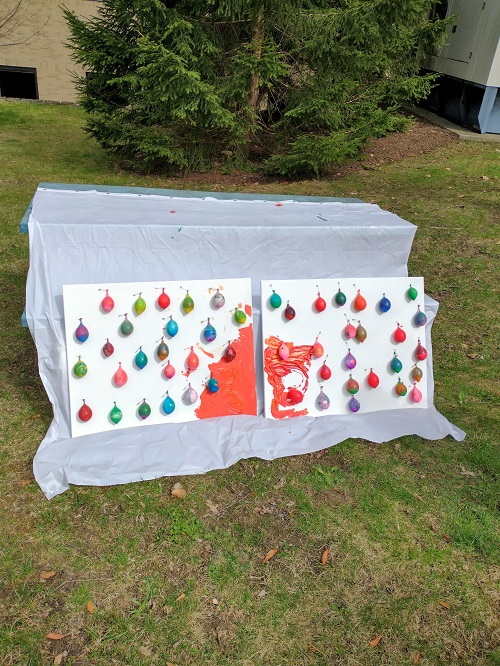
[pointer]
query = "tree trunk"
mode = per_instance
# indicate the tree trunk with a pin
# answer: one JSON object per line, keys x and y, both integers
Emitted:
{"x": 257, "y": 39}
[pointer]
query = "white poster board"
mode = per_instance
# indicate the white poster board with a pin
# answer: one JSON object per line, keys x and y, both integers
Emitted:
{"x": 301, "y": 369}
{"x": 236, "y": 392}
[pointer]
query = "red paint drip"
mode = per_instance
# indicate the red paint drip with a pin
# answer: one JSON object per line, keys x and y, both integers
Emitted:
{"x": 205, "y": 352}
{"x": 248, "y": 310}
{"x": 276, "y": 368}
{"x": 237, "y": 393}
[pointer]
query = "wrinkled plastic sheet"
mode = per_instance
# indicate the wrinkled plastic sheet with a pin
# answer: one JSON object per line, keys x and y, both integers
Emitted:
{"x": 97, "y": 237}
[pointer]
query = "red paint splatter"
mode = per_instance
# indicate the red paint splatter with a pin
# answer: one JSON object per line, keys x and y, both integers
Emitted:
{"x": 276, "y": 368}
{"x": 248, "y": 310}
{"x": 237, "y": 393}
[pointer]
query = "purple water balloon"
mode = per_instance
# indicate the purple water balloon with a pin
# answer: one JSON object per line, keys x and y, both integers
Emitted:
{"x": 354, "y": 405}
{"x": 189, "y": 396}
{"x": 322, "y": 401}
{"x": 349, "y": 361}
{"x": 82, "y": 332}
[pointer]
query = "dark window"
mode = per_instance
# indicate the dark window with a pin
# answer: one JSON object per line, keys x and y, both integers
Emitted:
{"x": 18, "y": 82}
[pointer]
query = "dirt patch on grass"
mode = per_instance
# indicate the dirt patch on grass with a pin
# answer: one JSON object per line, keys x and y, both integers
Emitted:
{"x": 422, "y": 137}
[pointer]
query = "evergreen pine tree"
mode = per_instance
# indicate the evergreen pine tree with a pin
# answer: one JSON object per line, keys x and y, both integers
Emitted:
{"x": 181, "y": 83}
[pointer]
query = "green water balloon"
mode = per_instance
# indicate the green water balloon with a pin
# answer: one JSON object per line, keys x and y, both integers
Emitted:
{"x": 188, "y": 304}
{"x": 275, "y": 300}
{"x": 412, "y": 293}
{"x": 240, "y": 317}
{"x": 80, "y": 368}
{"x": 115, "y": 414}
{"x": 127, "y": 326}
{"x": 144, "y": 410}
{"x": 140, "y": 305}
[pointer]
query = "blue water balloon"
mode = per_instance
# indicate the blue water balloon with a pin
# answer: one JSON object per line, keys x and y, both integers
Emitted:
{"x": 168, "y": 405}
{"x": 172, "y": 328}
{"x": 213, "y": 385}
{"x": 384, "y": 304}
{"x": 141, "y": 360}
{"x": 209, "y": 332}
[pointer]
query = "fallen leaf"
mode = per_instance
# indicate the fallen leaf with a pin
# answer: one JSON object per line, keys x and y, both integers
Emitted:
{"x": 90, "y": 607}
{"x": 446, "y": 538}
{"x": 262, "y": 593}
{"x": 36, "y": 416}
{"x": 26, "y": 483}
{"x": 485, "y": 177}
{"x": 325, "y": 556}
{"x": 180, "y": 493}
{"x": 213, "y": 507}
{"x": 177, "y": 485}
{"x": 147, "y": 652}
{"x": 419, "y": 497}
{"x": 55, "y": 637}
{"x": 375, "y": 641}
{"x": 58, "y": 659}
{"x": 444, "y": 604}
{"x": 270, "y": 555}
{"x": 47, "y": 574}
{"x": 215, "y": 601}
{"x": 416, "y": 657}
{"x": 169, "y": 663}
{"x": 467, "y": 472}
{"x": 181, "y": 597}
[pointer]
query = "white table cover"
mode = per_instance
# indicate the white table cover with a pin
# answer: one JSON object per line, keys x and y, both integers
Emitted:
{"x": 97, "y": 237}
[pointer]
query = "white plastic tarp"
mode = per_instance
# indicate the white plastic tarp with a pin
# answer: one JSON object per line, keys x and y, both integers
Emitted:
{"x": 81, "y": 237}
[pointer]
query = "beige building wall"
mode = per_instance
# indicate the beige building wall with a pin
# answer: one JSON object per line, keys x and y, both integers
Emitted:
{"x": 42, "y": 31}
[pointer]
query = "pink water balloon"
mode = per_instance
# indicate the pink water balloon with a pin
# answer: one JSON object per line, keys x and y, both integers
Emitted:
{"x": 120, "y": 377}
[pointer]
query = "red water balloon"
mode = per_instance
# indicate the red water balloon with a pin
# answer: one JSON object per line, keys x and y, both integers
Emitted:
{"x": 107, "y": 348}
{"x": 399, "y": 335}
{"x": 295, "y": 396}
{"x": 163, "y": 300}
{"x": 317, "y": 349}
{"x": 359, "y": 302}
{"x": 325, "y": 372}
{"x": 289, "y": 312}
{"x": 420, "y": 352}
{"x": 84, "y": 413}
{"x": 192, "y": 361}
{"x": 373, "y": 379}
{"x": 107, "y": 303}
{"x": 229, "y": 353}
{"x": 320, "y": 304}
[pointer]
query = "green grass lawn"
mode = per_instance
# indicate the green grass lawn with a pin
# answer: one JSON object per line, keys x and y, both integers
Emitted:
{"x": 411, "y": 525}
